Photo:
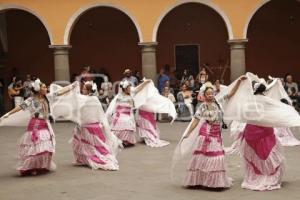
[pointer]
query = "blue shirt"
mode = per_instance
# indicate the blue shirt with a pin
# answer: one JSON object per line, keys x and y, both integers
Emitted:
{"x": 161, "y": 82}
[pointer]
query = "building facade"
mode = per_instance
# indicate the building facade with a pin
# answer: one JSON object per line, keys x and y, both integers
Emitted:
{"x": 54, "y": 39}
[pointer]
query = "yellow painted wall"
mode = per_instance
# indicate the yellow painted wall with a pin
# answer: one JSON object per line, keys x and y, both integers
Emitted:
{"x": 57, "y": 13}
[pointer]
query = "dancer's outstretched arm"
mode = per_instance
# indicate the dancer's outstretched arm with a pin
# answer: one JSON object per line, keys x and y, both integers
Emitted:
{"x": 141, "y": 86}
{"x": 67, "y": 89}
{"x": 194, "y": 124}
{"x": 16, "y": 109}
{"x": 235, "y": 88}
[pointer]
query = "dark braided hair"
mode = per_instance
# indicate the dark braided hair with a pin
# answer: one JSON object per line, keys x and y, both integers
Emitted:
{"x": 224, "y": 125}
{"x": 261, "y": 88}
{"x": 47, "y": 101}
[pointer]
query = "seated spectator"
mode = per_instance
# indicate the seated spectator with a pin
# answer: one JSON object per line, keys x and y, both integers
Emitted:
{"x": 201, "y": 78}
{"x": 192, "y": 82}
{"x": 14, "y": 90}
{"x": 167, "y": 84}
{"x": 167, "y": 93}
{"x": 162, "y": 117}
{"x": 185, "y": 106}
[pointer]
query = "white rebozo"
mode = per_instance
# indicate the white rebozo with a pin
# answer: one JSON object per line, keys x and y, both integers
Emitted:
{"x": 72, "y": 106}
{"x": 147, "y": 99}
{"x": 245, "y": 107}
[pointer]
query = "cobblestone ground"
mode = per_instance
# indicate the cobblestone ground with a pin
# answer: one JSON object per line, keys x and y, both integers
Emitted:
{"x": 144, "y": 173}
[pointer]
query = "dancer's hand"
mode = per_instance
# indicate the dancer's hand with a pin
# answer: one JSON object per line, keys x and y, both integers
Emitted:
{"x": 146, "y": 80}
{"x": 4, "y": 116}
{"x": 75, "y": 84}
{"x": 242, "y": 78}
{"x": 186, "y": 136}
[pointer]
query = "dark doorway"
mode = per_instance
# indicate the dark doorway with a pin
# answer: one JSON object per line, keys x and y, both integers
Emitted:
{"x": 187, "y": 57}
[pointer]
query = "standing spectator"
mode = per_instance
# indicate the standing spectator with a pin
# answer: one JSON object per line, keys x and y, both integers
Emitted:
{"x": 292, "y": 89}
{"x": 174, "y": 82}
{"x": 18, "y": 87}
{"x": 85, "y": 74}
{"x": 192, "y": 82}
{"x": 131, "y": 79}
{"x": 137, "y": 75}
{"x": 162, "y": 78}
{"x": 107, "y": 88}
{"x": 13, "y": 81}
{"x": 27, "y": 85}
{"x": 11, "y": 91}
{"x": 14, "y": 92}
{"x": 2, "y": 107}
{"x": 103, "y": 99}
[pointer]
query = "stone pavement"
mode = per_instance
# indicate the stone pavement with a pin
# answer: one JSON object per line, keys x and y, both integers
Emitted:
{"x": 144, "y": 173}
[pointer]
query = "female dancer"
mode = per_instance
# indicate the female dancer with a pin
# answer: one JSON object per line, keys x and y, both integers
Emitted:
{"x": 206, "y": 167}
{"x": 121, "y": 111}
{"x": 261, "y": 152}
{"x": 146, "y": 123}
{"x": 91, "y": 140}
{"x": 37, "y": 145}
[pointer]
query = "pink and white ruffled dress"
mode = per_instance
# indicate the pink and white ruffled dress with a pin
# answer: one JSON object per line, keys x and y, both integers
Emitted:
{"x": 207, "y": 166}
{"x": 37, "y": 145}
{"x": 286, "y": 137}
{"x": 262, "y": 157}
{"x": 148, "y": 130}
{"x": 36, "y": 148}
{"x": 90, "y": 148}
{"x": 123, "y": 123}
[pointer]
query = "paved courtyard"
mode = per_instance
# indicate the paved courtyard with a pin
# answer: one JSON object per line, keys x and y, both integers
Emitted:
{"x": 144, "y": 173}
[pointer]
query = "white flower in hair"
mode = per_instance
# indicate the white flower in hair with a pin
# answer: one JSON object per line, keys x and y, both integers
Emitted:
{"x": 88, "y": 83}
{"x": 124, "y": 84}
{"x": 257, "y": 84}
{"x": 94, "y": 87}
{"x": 206, "y": 85}
{"x": 36, "y": 85}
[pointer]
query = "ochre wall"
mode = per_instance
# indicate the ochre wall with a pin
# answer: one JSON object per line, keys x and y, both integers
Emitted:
{"x": 57, "y": 13}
